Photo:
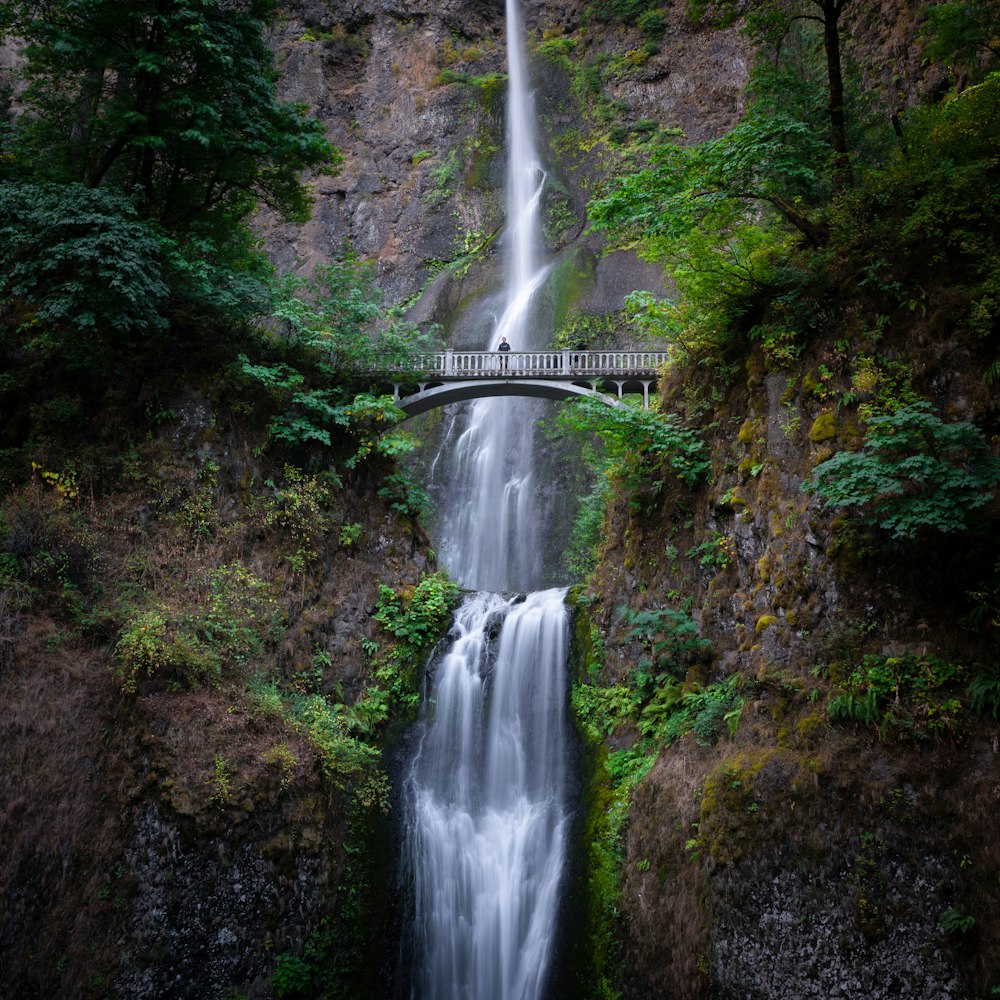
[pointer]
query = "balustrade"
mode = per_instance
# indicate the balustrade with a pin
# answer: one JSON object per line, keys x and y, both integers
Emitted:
{"x": 534, "y": 364}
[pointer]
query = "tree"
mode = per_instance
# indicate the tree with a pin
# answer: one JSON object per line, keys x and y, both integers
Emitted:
{"x": 80, "y": 270}
{"x": 145, "y": 137}
{"x": 964, "y": 35}
{"x": 770, "y": 21}
{"x": 172, "y": 102}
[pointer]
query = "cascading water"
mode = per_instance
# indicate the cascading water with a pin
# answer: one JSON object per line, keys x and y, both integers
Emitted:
{"x": 487, "y": 834}
{"x": 486, "y": 811}
{"x": 492, "y": 524}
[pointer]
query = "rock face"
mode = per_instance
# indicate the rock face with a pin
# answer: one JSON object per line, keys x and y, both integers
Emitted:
{"x": 798, "y": 858}
{"x": 414, "y": 96}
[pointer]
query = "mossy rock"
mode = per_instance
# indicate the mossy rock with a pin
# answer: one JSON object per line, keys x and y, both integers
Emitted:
{"x": 811, "y": 382}
{"x": 824, "y": 427}
{"x": 748, "y": 431}
{"x": 756, "y": 370}
{"x": 765, "y": 622}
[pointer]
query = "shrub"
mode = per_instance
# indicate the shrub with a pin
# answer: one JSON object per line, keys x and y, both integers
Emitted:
{"x": 652, "y": 24}
{"x": 225, "y": 621}
{"x": 640, "y": 442}
{"x": 900, "y": 695}
{"x": 984, "y": 693}
{"x": 141, "y": 648}
{"x": 914, "y": 472}
{"x": 671, "y": 637}
{"x": 955, "y": 922}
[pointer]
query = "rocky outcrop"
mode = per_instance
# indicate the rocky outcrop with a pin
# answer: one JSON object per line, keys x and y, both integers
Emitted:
{"x": 797, "y": 857}
{"x": 413, "y": 94}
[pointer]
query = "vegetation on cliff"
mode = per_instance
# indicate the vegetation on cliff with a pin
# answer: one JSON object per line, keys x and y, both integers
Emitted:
{"x": 831, "y": 261}
{"x": 203, "y": 530}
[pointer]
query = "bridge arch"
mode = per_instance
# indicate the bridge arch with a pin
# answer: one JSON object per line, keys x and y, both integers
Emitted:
{"x": 443, "y": 393}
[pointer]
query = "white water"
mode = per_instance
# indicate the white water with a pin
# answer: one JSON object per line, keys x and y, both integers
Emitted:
{"x": 486, "y": 791}
{"x": 492, "y": 530}
{"x": 486, "y": 811}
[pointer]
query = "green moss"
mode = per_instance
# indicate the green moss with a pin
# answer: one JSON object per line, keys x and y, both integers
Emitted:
{"x": 748, "y": 431}
{"x": 765, "y": 622}
{"x": 824, "y": 427}
{"x": 755, "y": 370}
{"x": 811, "y": 382}
{"x": 571, "y": 278}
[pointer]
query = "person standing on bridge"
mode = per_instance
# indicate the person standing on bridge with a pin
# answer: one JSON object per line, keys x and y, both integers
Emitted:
{"x": 504, "y": 349}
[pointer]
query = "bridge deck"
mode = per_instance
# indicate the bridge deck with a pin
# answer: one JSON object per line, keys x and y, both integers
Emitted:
{"x": 556, "y": 365}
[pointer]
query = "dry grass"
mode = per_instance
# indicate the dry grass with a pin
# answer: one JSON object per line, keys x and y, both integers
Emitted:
{"x": 61, "y": 794}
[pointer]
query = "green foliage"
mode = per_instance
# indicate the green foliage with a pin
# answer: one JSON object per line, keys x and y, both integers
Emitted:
{"x": 640, "y": 442}
{"x": 347, "y": 761}
{"x": 672, "y": 639}
{"x": 716, "y": 551}
{"x": 708, "y": 713}
{"x": 332, "y": 311}
{"x": 652, "y": 24}
{"x": 914, "y": 472}
{"x": 655, "y": 701}
{"x": 416, "y": 620}
{"x": 737, "y": 219}
{"x": 584, "y": 331}
{"x": 444, "y": 176}
{"x": 86, "y": 273}
{"x": 175, "y": 105}
{"x": 328, "y": 333}
{"x": 405, "y": 494}
{"x": 930, "y": 211}
{"x": 133, "y": 161}
{"x": 350, "y": 534}
{"x": 984, "y": 693}
{"x": 961, "y": 34}
{"x": 292, "y": 976}
{"x": 225, "y": 620}
{"x": 302, "y": 509}
{"x": 901, "y": 695}
{"x": 141, "y": 649}
{"x": 580, "y": 557}
{"x": 603, "y": 710}
{"x": 222, "y": 782}
{"x": 625, "y": 11}
{"x": 955, "y": 922}
{"x": 712, "y": 212}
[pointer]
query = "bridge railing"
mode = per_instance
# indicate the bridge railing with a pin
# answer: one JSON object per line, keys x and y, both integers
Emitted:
{"x": 543, "y": 364}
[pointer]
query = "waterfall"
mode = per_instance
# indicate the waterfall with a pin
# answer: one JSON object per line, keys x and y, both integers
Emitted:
{"x": 492, "y": 529}
{"x": 488, "y": 827}
{"x": 486, "y": 810}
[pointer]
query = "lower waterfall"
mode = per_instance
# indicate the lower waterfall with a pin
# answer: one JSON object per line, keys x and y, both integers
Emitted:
{"x": 486, "y": 809}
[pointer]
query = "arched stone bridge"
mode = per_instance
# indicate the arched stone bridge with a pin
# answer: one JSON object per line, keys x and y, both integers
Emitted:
{"x": 450, "y": 376}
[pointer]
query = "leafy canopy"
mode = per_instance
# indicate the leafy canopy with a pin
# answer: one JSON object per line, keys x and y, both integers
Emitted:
{"x": 332, "y": 333}
{"x": 914, "y": 472}
{"x": 727, "y": 216}
{"x": 640, "y": 442}
{"x": 79, "y": 257}
{"x": 173, "y": 103}
{"x": 147, "y": 134}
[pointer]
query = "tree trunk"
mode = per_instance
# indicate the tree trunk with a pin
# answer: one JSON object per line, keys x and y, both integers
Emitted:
{"x": 832, "y": 9}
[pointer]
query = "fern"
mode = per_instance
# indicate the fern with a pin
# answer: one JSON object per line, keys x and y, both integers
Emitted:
{"x": 850, "y": 707}
{"x": 984, "y": 693}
